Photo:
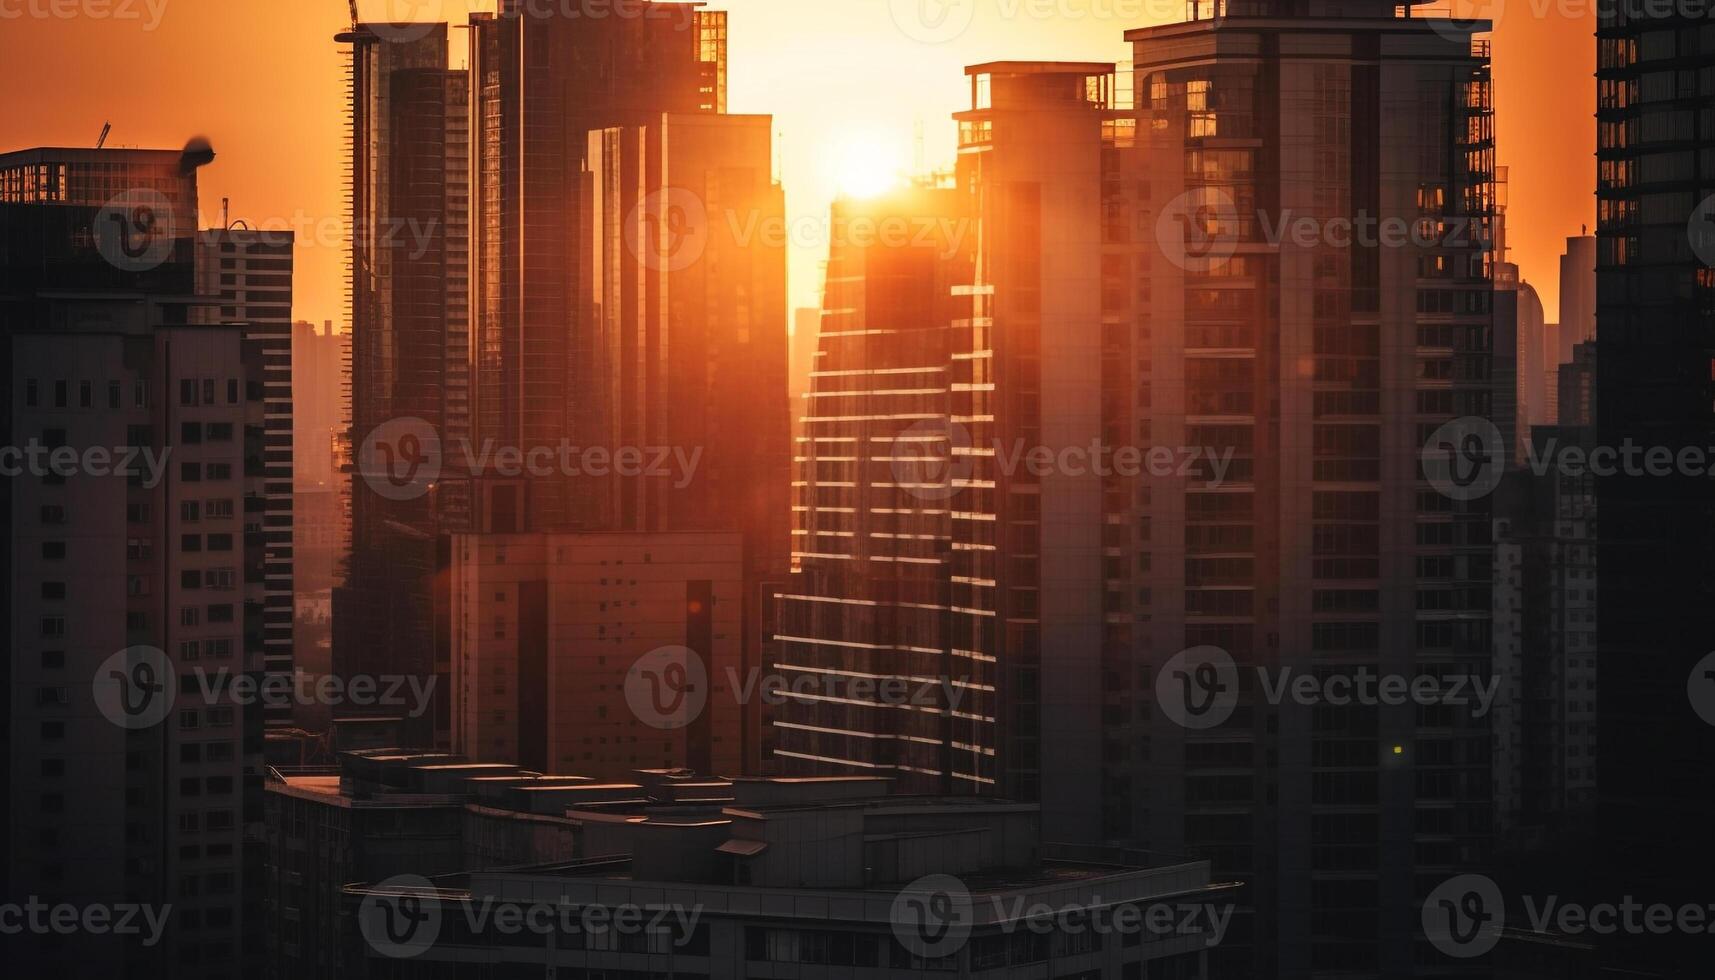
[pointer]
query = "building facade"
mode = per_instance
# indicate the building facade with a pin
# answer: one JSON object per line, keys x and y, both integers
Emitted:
{"x": 1655, "y": 342}
{"x": 250, "y": 273}
{"x": 410, "y": 353}
{"x": 600, "y": 653}
{"x": 133, "y": 590}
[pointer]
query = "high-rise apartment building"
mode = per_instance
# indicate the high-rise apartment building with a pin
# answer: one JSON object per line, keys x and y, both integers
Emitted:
{"x": 1655, "y": 337}
{"x": 250, "y": 274}
{"x": 541, "y": 82}
{"x": 133, "y": 588}
{"x": 410, "y": 352}
{"x": 1124, "y": 293}
{"x": 875, "y": 488}
{"x": 1326, "y": 357}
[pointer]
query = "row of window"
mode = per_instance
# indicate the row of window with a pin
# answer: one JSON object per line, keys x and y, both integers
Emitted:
{"x": 115, "y": 392}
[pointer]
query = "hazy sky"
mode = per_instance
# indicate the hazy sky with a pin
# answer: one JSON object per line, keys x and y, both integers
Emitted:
{"x": 843, "y": 78}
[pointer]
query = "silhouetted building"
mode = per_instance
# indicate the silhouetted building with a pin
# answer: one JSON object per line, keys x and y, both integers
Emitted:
{"x": 541, "y": 83}
{"x": 410, "y": 398}
{"x": 873, "y": 497}
{"x": 249, "y": 273}
{"x": 1655, "y": 337}
{"x": 834, "y": 876}
{"x": 132, "y": 591}
{"x": 1324, "y": 353}
{"x": 1577, "y": 295}
{"x": 1534, "y": 361}
{"x": 1544, "y": 719}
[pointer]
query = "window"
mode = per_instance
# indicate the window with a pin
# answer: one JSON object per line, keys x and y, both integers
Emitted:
{"x": 190, "y": 579}
{"x": 218, "y": 432}
{"x": 190, "y": 472}
{"x": 59, "y": 394}
{"x": 190, "y": 433}
{"x": 53, "y": 627}
{"x": 53, "y": 659}
{"x": 190, "y": 616}
{"x": 53, "y": 590}
{"x": 218, "y": 508}
{"x": 53, "y": 514}
{"x": 218, "y": 649}
{"x": 190, "y": 650}
{"x": 32, "y": 393}
{"x": 53, "y": 550}
{"x": 208, "y": 391}
{"x": 190, "y": 543}
{"x": 139, "y": 394}
{"x": 231, "y": 392}
{"x": 220, "y": 613}
{"x": 220, "y": 579}
{"x": 220, "y": 542}
{"x": 219, "y": 471}
{"x": 114, "y": 392}
{"x": 85, "y": 394}
{"x": 187, "y": 392}
{"x": 189, "y": 510}
{"x": 139, "y": 549}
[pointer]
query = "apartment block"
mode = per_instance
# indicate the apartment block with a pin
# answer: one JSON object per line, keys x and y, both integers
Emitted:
{"x": 250, "y": 273}
{"x": 599, "y": 653}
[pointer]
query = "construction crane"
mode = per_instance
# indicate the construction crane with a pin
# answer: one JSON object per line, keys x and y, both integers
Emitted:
{"x": 101, "y": 140}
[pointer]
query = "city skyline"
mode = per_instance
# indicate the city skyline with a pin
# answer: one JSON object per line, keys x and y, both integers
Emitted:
{"x": 1066, "y": 489}
{"x": 866, "y": 87}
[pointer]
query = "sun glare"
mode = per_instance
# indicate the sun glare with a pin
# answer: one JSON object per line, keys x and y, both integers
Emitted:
{"x": 865, "y": 168}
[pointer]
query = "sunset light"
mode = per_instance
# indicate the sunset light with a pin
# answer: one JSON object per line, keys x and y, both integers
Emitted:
{"x": 864, "y": 168}
{"x": 728, "y": 489}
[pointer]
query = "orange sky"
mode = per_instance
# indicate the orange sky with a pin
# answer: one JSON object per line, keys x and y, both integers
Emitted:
{"x": 262, "y": 79}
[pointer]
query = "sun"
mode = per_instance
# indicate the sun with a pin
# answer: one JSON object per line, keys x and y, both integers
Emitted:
{"x": 865, "y": 168}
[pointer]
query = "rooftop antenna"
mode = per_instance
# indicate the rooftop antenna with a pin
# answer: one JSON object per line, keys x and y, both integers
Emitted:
{"x": 101, "y": 140}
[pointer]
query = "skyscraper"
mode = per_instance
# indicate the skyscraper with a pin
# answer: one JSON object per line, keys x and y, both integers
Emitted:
{"x": 133, "y": 589}
{"x": 1577, "y": 295}
{"x": 250, "y": 273}
{"x": 1326, "y": 353}
{"x": 541, "y": 82}
{"x": 1655, "y": 341}
{"x": 410, "y": 375}
{"x": 875, "y": 487}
